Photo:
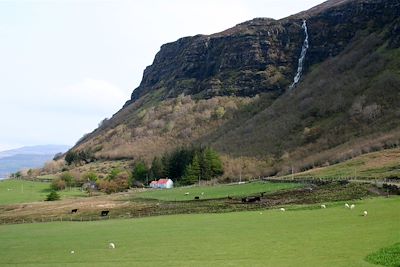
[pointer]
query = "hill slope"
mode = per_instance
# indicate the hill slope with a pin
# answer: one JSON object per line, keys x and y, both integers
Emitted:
{"x": 234, "y": 91}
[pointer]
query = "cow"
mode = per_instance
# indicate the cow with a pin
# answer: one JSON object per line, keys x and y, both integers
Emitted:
{"x": 196, "y": 197}
{"x": 74, "y": 211}
{"x": 244, "y": 200}
{"x": 104, "y": 212}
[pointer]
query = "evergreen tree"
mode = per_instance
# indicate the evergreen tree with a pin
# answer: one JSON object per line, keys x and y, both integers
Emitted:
{"x": 192, "y": 172}
{"x": 215, "y": 162}
{"x": 140, "y": 171}
{"x": 157, "y": 169}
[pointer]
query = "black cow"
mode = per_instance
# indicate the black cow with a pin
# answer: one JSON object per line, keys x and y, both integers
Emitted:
{"x": 74, "y": 211}
{"x": 244, "y": 200}
{"x": 196, "y": 197}
{"x": 104, "y": 212}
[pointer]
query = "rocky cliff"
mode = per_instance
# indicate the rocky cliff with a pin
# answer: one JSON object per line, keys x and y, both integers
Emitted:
{"x": 260, "y": 55}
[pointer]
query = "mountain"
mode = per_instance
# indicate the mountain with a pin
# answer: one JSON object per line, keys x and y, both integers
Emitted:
{"x": 27, "y": 157}
{"x": 272, "y": 96}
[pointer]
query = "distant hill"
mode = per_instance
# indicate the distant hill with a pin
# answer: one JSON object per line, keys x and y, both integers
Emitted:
{"x": 27, "y": 157}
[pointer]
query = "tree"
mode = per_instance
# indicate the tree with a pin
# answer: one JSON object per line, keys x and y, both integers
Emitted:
{"x": 140, "y": 171}
{"x": 157, "y": 168}
{"x": 192, "y": 172}
{"x": 68, "y": 178}
{"x": 58, "y": 184}
{"x": 71, "y": 157}
{"x": 52, "y": 196}
{"x": 215, "y": 162}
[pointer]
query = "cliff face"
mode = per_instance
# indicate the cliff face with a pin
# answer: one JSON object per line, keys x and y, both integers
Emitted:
{"x": 238, "y": 96}
{"x": 260, "y": 55}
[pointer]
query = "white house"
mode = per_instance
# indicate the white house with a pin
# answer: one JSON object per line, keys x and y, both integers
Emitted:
{"x": 162, "y": 183}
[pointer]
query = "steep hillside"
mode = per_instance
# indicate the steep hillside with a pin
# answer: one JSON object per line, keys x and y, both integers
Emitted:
{"x": 235, "y": 91}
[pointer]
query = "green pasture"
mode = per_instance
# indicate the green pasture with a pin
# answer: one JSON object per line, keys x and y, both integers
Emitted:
{"x": 331, "y": 237}
{"x": 377, "y": 165}
{"x": 21, "y": 191}
{"x": 213, "y": 192}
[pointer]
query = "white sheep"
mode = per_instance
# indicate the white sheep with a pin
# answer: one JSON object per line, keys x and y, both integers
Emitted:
{"x": 72, "y": 252}
{"x": 365, "y": 213}
{"x": 352, "y": 206}
{"x": 111, "y": 245}
{"x": 282, "y": 209}
{"x": 187, "y": 193}
{"x": 202, "y": 193}
{"x": 346, "y": 205}
{"x": 260, "y": 213}
{"x": 323, "y": 206}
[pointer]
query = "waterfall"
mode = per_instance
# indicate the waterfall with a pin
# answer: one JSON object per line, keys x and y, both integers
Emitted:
{"x": 302, "y": 56}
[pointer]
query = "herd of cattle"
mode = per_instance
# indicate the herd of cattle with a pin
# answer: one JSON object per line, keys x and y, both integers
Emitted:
{"x": 103, "y": 213}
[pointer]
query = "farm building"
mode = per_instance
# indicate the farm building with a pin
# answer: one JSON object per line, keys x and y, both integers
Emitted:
{"x": 162, "y": 183}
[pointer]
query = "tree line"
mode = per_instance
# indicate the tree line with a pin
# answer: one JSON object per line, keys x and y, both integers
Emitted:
{"x": 185, "y": 166}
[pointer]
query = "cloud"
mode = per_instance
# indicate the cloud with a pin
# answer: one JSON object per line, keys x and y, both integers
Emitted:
{"x": 87, "y": 97}
{"x": 90, "y": 96}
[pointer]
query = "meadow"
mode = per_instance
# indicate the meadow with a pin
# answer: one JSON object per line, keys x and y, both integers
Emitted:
{"x": 334, "y": 237}
{"x": 21, "y": 191}
{"x": 377, "y": 165}
{"x": 214, "y": 192}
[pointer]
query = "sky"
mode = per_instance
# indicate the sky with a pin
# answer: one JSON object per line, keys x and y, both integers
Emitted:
{"x": 65, "y": 65}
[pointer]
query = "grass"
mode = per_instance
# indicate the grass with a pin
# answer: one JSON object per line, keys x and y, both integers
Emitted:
{"x": 214, "y": 192}
{"x": 21, "y": 191}
{"x": 389, "y": 256}
{"x": 376, "y": 165}
{"x": 334, "y": 237}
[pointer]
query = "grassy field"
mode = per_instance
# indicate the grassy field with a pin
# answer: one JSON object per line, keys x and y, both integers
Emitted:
{"x": 334, "y": 237}
{"x": 376, "y": 165}
{"x": 213, "y": 192}
{"x": 21, "y": 191}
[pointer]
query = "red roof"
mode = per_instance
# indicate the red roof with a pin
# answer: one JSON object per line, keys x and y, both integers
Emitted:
{"x": 163, "y": 181}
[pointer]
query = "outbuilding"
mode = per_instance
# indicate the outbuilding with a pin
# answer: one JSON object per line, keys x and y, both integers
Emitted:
{"x": 162, "y": 183}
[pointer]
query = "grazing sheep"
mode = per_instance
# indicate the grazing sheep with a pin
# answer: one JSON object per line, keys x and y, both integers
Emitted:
{"x": 282, "y": 209}
{"x": 365, "y": 213}
{"x": 111, "y": 245}
{"x": 323, "y": 206}
{"x": 202, "y": 193}
{"x": 260, "y": 213}
{"x": 352, "y": 206}
{"x": 72, "y": 252}
{"x": 346, "y": 205}
{"x": 187, "y": 193}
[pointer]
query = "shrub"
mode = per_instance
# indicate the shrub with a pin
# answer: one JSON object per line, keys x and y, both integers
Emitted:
{"x": 58, "y": 184}
{"x": 52, "y": 196}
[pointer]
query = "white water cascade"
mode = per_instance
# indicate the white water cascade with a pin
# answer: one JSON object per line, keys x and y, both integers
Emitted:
{"x": 302, "y": 56}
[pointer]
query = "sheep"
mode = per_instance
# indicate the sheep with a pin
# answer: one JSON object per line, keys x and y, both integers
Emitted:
{"x": 111, "y": 245}
{"x": 323, "y": 206}
{"x": 202, "y": 193}
{"x": 187, "y": 193}
{"x": 352, "y": 206}
{"x": 260, "y": 213}
{"x": 282, "y": 209}
{"x": 365, "y": 213}
{"x": 72, "y": 252}
{"x": 346, "y": 205}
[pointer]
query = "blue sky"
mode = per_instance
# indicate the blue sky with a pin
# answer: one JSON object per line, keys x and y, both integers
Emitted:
{"x": 66, "y": 65}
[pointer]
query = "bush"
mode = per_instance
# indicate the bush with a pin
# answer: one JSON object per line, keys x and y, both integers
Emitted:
{"x": 53, "y": 196}
{"x": 58, "y": 184}
{"x": 68, "y": 178}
